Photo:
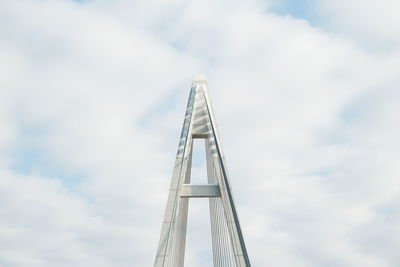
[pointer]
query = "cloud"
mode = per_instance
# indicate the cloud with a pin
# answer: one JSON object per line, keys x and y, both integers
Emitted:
{"x": 91, "y": 104}
{"x": 373, "y": 23}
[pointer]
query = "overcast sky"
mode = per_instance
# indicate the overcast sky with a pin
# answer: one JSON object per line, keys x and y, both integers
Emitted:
{"x": 306, "y": 97}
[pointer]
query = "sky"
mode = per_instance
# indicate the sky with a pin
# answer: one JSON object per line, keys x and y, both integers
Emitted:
{"x": 306, "y": 97}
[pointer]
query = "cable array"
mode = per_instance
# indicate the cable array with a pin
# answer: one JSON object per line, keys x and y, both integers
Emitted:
{"x": 221, "y": 242}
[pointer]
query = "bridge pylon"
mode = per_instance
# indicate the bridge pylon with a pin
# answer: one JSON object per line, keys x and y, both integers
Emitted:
{"x": 228, "y": 246}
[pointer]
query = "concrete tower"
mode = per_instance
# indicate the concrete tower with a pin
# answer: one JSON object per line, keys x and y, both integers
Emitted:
{"x": 228, "y": 245}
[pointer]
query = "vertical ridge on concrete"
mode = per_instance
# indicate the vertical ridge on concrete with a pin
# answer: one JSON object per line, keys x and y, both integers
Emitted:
{"x": 228, "y": 246}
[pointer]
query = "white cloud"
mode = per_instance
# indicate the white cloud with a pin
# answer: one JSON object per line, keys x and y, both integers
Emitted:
{"x": 97, "y": 91}
{"x": 373, "y": 23}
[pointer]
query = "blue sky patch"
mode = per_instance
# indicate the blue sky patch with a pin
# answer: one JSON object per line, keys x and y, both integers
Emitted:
{"x": 301, "y": 9}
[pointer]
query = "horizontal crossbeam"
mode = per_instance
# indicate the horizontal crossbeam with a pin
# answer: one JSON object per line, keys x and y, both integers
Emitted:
{"x": 207, "y": 190}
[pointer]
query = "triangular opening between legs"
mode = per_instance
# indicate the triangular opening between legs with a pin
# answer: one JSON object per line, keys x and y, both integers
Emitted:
{"x": 199, "y": 251}
{"x": 199, "y": 165}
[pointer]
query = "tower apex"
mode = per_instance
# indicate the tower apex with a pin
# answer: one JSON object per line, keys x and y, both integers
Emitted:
{"x": 199, "y": 78}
